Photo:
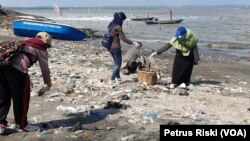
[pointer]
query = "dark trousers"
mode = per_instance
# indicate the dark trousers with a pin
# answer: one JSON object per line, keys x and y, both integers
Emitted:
{"x": 14, "y": 85}
{"x": 117, "y": 57}
{"x": 182, "y": 68}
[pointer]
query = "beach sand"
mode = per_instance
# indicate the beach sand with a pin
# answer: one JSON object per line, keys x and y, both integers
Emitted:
{"x": 79, "y": 104}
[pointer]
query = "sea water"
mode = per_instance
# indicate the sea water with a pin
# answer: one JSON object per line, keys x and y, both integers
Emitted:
{"x": 224, "y": 29}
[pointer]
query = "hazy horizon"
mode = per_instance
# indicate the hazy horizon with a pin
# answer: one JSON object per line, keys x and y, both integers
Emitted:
{"x": 128, "y": 6}
{"x": 101, "y": 3}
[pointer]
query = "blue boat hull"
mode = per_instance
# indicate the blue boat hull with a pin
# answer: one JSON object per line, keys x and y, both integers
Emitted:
{"x": 29, "y": 28}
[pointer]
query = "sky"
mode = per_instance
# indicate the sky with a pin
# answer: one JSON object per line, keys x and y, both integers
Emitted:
{"x": 98, "y": 3}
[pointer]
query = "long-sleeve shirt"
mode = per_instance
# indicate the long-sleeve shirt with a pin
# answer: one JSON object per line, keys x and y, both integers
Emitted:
{"x": 164, "y": 48}
{"x": 168, "y": 45}
{"x": 118, "y": 34}
{"x": 22, "y": 62}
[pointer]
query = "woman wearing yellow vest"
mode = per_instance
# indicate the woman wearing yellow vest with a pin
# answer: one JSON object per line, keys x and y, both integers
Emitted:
{"x": 187, "y": 55}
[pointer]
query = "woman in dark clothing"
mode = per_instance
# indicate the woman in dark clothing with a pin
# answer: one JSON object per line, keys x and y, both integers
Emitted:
{"x": 185, "y": 42}
{"x": 116, "y": 31}
{"x": 15, "y": 82}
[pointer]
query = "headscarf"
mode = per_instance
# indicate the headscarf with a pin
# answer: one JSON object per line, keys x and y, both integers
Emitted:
{"x": 45, "y": 37}
{"x": 36, "y": 43}
{"x": 119, "y": 17}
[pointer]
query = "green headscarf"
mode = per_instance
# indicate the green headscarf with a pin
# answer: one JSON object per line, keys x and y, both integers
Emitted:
{"x": 184, "y": 45}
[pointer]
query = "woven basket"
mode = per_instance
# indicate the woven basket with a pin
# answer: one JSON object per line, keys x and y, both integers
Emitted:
{"x": 148, "y": 77}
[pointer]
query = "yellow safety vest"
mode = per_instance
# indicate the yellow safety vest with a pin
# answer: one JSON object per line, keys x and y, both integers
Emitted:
{"x": 190, "y": 41}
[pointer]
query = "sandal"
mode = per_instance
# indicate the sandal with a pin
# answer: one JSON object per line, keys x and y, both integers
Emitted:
{"x": 2, "y": 129}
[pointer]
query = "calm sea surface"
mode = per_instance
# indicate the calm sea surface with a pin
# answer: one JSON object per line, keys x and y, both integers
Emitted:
{"x": 218, "y": 28}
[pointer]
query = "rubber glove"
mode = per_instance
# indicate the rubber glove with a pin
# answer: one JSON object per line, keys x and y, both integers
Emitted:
{"x": 153, "y": 54}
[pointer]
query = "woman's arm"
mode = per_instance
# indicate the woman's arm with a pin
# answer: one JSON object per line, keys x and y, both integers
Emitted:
{"x": 123, "y": 37}
{"x": 43, "y": 62}
{"x": 164, "y": 48}
{"x": 196, "y": 55}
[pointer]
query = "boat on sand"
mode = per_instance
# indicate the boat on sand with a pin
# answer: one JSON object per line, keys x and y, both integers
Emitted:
{"x": 29, "y": 28}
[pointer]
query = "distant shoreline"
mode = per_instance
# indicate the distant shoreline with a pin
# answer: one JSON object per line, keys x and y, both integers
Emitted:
{"x": 126, "y": 7}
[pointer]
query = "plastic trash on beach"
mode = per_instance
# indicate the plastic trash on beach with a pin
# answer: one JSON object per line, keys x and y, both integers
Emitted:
{"x": 32, "y": 94}
{"x": 31, "y": 128}
{"x": 154, "y": 59}
{"x": 151, "y": 115}
{"x": 80, "y": 108}
{"x": 68, "y": 109}
{"x": 34, "y": 119}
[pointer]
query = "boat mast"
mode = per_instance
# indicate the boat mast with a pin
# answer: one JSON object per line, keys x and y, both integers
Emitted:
{"x": 146, "y": 15}
{"x": 220, "y": 14}
{"x": 57, "y": 10}
{"x": 170, "y": 14}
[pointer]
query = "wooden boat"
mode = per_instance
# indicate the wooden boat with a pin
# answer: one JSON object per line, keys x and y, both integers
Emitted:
{"x": 164, "y": 22}
{"x": 170, "y": 21}
{"x": 29, "y": 28}
{"x": 141, "y": 19}
{"x": 138, "y": 18}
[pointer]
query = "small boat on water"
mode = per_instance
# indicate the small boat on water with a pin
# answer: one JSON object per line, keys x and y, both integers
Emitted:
{"x": 164, "y": 22}
{"x": 170, "y": 21}
{"x": 29, "y": 28}
{"x": 141, "y": 19}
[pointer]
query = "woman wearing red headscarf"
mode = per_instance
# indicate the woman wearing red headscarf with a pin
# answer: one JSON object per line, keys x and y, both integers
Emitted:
{"x": 15, "y": 82}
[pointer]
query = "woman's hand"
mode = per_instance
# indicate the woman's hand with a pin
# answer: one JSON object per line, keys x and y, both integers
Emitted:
{"x": 43, "y": 90}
